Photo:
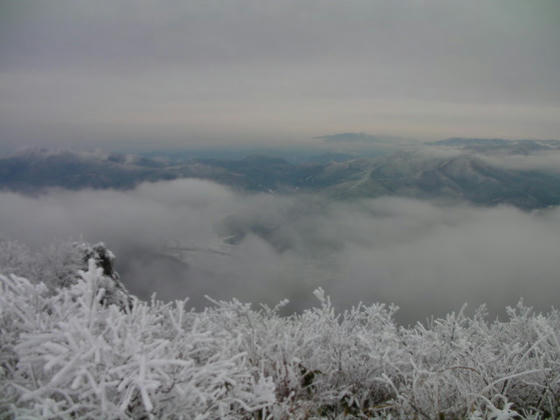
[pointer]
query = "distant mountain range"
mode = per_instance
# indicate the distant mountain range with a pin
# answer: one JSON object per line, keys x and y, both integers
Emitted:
{"x": 464, "y": 175}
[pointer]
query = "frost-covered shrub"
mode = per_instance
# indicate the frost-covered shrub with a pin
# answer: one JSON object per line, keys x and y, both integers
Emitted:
{"x": 55, "y": 265}
{"x": 90, "y": 350}
{"x": 71, "y": 355}
{"x": 16, "y": 258}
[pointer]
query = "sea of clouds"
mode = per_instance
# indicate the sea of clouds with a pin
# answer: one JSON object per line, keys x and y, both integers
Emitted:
{"x": 426, "y": 257}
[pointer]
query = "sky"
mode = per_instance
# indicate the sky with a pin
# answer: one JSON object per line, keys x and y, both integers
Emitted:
{"x": 275, "y": 72}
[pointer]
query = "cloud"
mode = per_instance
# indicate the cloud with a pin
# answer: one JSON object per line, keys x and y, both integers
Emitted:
{"x": 427, "y": 258}
{"x": 547, "y": 161}
{"x": 362, "y": 138}
{"x": 188, "y": 72}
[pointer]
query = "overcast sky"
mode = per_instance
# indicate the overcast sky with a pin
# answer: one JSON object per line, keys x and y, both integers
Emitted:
{"x": 192, "y": 73}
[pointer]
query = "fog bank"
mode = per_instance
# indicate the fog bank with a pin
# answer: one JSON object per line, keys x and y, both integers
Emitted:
{"x": 191, "y": 238}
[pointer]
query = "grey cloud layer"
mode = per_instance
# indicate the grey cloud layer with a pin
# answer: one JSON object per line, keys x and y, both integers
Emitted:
{"x": 547, "y": 161}
{"x": 425, "y": 257}
{"x": 190, "y": 72}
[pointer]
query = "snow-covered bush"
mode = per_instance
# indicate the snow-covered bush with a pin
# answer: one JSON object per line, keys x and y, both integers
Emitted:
{"x": 90, "y": 350}
{"x": 72, "y": 355}
{"x": 55, "y": 265}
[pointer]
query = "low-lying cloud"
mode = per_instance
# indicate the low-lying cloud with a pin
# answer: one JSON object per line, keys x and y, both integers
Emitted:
{"x": 548, "y": 161}
{"x": 540, "y": 161}
{"x": 427, "y": 258}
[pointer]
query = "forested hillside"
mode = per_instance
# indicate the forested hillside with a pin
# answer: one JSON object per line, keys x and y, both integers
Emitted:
{"x": 470, "y": 170}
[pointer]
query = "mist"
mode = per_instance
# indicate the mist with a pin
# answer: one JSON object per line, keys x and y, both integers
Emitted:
{"x": 544, "y": 161}
{"x": 194, "y": 238}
